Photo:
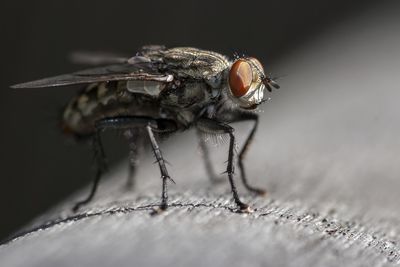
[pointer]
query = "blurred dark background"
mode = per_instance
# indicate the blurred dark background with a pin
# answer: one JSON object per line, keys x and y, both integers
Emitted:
{"x": 39, "y": 167}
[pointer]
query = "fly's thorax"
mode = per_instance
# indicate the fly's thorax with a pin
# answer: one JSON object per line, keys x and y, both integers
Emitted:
{"x": 187, "y": 100}
{"x": 187, "y": 95}
{"x": 194, "y": 63}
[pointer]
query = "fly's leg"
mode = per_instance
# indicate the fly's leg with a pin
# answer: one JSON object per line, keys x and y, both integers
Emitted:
{"x": 163, "y": 169}
{"x": 245, "y": 116}
{"x": 215, "y": 127}
{"x": 101, "y": 167}
{"x": 122, "y": 123}
{"x": 207, "y": 160}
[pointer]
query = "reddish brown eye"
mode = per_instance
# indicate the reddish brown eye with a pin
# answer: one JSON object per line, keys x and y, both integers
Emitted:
{"x": 240, "y": 78}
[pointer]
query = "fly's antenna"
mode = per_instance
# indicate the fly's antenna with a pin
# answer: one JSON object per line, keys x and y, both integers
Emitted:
{"x": 268, "y": 82}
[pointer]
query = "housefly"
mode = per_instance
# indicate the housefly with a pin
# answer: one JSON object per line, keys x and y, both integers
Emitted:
{"x": 160, "y": 91}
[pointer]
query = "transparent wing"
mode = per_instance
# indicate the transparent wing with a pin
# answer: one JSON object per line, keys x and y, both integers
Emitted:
{"x": 97, "y": 58}
{"x": 137, "y": 69}
{"x": 107, "y": 58}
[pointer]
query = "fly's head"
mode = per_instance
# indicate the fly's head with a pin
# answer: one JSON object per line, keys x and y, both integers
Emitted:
{"x": 247, "y": 82}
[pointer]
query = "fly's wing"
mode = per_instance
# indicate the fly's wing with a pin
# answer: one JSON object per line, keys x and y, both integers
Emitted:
{"x": 97, "y": 58}
{"x": 136, "y": 69}
{"x": 107, "y": 58}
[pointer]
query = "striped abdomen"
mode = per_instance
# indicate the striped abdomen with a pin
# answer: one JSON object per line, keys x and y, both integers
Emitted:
{"x": 104, "y": 100}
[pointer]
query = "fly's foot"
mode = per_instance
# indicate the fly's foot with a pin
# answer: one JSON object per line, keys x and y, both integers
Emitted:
{"x": 158, "y": 210}
{"x": 244, "y": 208}
{"x": 77, "y": 206}
{"x": 81, "y": 203}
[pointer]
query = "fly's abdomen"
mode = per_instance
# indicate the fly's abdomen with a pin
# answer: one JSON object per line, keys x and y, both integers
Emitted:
{"x": 104, "y": 100}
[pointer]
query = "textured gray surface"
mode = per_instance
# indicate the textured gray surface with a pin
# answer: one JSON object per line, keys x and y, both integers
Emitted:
{"x": 327, "y": 151}
{"x": 199, "y": 231}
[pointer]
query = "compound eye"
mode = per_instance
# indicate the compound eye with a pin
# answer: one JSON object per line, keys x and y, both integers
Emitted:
{"x": 257, "y": 63}
{"x": 240, "y": 78}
